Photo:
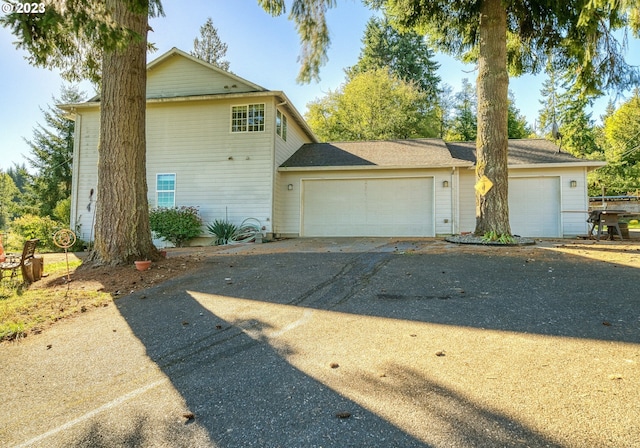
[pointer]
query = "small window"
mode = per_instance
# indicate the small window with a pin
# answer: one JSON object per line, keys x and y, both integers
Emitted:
{"x": 249, "y": 118}
{"x": 281, "y": 125}
{"x": 166, "y": 190}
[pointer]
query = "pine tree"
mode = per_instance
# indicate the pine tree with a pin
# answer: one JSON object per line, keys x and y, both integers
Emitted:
{"x": 209, "y": 47}
{"x": 464, "y": 126}
{"x": 51, "y": 151}
{"x": 404, "y": 54}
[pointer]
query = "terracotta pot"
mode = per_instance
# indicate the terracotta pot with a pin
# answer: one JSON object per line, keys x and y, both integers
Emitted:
{"x": 142, "y": 265}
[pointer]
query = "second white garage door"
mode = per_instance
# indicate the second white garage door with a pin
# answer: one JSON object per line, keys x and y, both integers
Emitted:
{"x": 368, "y": 207}
{"x": 534, "y": 206}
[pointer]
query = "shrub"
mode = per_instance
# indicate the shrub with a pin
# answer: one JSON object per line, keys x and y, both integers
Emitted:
{"x": 62, "y": 211}
{"x": 176, "y": 225}
{"x": 31, "y": 226}
{"x": 223, "y": 231}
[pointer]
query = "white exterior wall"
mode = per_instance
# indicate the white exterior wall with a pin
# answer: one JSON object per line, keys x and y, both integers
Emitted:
{"x": 290, "y": 217}
{"x": 223, "y": 173}
{"x": 574, "y": 202}
{"x": 85, "y": 173}
{"x": 283, "y": 150}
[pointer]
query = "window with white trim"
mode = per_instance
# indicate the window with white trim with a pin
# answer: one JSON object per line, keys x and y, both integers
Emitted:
{"x": 248, "y": 118}
{"x": 166, "y": 190}
{"x": 281, "y": 125}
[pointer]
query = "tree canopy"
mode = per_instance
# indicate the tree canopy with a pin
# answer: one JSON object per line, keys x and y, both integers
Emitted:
{"x": 51, "y": 153}
{"x": 404, "y": 54}
{"x": 373, "y": 105}
{"x": 518, "y": 37}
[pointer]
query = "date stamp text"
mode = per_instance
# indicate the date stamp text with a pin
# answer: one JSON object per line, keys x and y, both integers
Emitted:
{"x": 23, "y": 8}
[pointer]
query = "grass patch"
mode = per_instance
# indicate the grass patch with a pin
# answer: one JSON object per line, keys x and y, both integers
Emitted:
{"x": 29, "y": 309}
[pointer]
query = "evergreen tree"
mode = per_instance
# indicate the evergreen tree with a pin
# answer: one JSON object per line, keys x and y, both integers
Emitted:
{"x": 548, "y": 115}
{"x": 517, "y": 126}
{"x": 577, "y": 129}
{"x": 404, "y": 54}
{"x": 515, "y": 37}
{"x": 51, "y": 151}
{"x": 464, "y": 126}
{"x": 209, "y": 47}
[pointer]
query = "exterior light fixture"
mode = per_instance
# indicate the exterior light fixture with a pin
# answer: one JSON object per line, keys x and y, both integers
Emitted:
{"x": 445, "y": 184}
{"x": 290, "y": 187}
{"x": 573, "y": 184}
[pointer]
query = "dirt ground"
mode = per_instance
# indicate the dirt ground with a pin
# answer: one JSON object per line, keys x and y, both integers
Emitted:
{"x": 123, "y": 280}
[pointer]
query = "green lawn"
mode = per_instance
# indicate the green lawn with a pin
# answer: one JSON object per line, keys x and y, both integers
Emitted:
{"x": 25, "y": 309}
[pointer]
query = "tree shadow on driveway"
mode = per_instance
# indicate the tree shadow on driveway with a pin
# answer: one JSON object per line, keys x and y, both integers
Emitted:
{"x": 237, "y": 378}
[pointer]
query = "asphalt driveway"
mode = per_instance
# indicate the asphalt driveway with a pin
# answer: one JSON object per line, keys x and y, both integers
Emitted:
{"x": 349, "y": 343}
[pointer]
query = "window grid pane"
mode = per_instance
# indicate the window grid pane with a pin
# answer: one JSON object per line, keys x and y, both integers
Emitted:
{"x": 165, "y": 190}
{"x": 256, "y": 117}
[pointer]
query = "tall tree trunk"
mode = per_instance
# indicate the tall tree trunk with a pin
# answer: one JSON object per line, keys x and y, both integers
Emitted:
{"x": 122, "y": 232}
{"x": 492, "y": 207}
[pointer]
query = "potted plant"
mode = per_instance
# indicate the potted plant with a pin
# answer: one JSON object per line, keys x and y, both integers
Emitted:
{"x": 142, "y": 265}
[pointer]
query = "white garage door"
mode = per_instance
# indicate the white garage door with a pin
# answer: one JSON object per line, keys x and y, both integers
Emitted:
{"x": 367, "y": 207}
{"x": 534, "y": 206}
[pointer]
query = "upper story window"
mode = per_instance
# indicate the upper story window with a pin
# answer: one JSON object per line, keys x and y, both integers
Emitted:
{"x": 166, "y": 190}
{"x": 249, "y": 118}
{"x": 281, "y": 125}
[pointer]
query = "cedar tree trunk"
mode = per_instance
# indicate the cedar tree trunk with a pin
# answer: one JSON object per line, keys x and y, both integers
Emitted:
{"x": 492, "y": 208}
{"x": 122, "y": 232}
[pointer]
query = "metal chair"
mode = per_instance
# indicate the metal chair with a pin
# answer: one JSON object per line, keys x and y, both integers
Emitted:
{"x": 28, "y": 253}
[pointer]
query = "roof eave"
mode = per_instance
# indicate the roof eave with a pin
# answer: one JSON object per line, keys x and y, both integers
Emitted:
{"x": 368, "y": 167}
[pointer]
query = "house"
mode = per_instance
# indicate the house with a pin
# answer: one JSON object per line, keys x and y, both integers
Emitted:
{"x": 237, "y": 150}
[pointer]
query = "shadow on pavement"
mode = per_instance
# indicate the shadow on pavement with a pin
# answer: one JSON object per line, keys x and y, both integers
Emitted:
{"x": 244, "y": 392}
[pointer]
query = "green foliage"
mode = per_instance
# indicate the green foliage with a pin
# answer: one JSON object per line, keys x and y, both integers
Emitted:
{"x": 516, "y": 122}
{"x": 62, "y": 211}
{"x": 210, "y": 47}
{"x": 177, "y": 225}
{"x": 464, "y": 125}
{"x": 71, "y": 36}
{"x": 309, "y": 17}
{"x": 405, "y": 54}
{"x": 51, "y": 154}
{"x": 8, "y": 194}
{"x": 31, "y": 226}
{"x": 223, "y": 231}
{"x": 579, "y": 35}
{"x": 373, "y": 105}
{"x": 494, "y": 237}
{"x": 620, "y": 142}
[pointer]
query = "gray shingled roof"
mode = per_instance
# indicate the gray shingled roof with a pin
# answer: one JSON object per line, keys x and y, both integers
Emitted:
{"x": 430, "y": 152}
{"x": 520, "y": 152}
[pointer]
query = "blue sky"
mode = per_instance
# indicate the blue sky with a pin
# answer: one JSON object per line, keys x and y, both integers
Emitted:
{"x": 262, "y": 49}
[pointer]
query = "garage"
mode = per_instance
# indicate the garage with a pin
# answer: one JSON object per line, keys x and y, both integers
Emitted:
{"x": 534, "y": 206}
{"x": 398, "y": 206}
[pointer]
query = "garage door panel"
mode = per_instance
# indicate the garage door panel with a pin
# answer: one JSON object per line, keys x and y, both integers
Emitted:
{"x": 367, "y": 207}
{"x": 534, "y": 206}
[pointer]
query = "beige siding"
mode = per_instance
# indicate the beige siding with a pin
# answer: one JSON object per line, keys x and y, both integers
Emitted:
{"x": 290, "y": 200}
{"x": 179, "y": 76}
{"x": 225, "y": 174}
{"x": 85, "y": 163}
{"x": 573, "y": 201}
{"x": 283, "y": 150}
